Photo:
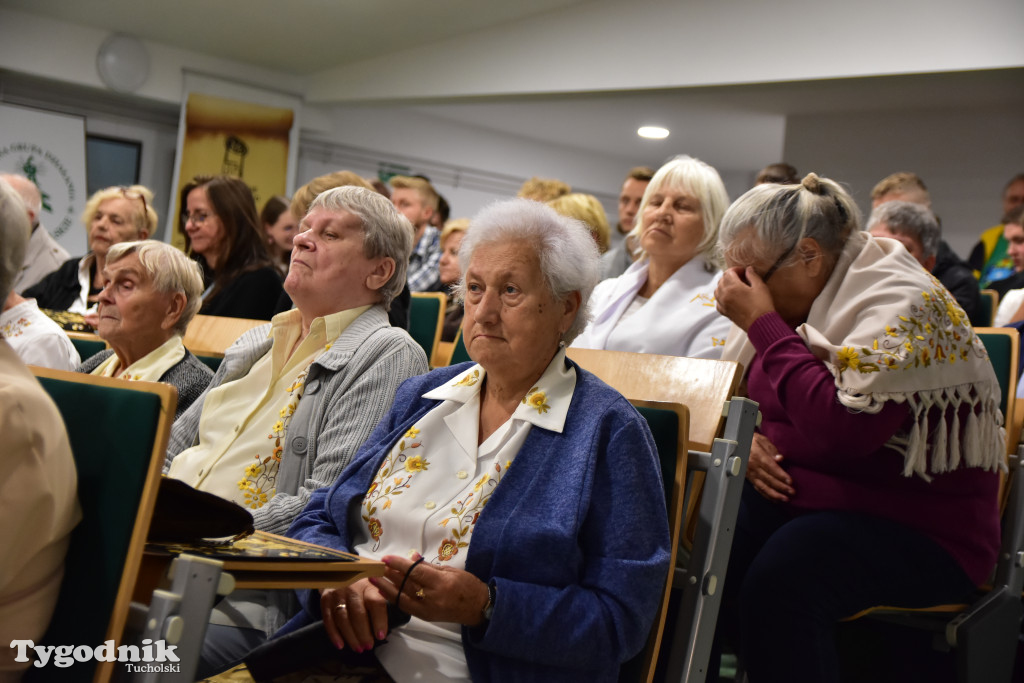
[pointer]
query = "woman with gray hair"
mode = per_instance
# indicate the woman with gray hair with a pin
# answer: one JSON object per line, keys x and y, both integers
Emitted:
{"x": 664, "y": 303}
{"x": 150, "y": 294}
{"x": 873, "y": 477}
{"x": 527, "y": 490}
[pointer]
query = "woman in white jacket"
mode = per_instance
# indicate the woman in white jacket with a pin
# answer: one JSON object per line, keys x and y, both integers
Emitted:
{"x": 664, "y": 303}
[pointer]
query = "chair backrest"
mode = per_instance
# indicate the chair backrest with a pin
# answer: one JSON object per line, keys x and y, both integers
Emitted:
{"x": 426, "y": 318}
{"x": 1003, "y": 346}
{"x": 668, "y": 423}
{"x": 988, "y": 304}
{"x": 118, "y": 432}
{"x": 702, "y": 385}
{"x": 86, "y": 343}
{"x": 459, "y": 352}
{"x": 211, "y": 335}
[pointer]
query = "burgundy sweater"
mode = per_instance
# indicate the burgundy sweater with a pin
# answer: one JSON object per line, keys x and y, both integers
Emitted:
{"x": 838, "y": 460}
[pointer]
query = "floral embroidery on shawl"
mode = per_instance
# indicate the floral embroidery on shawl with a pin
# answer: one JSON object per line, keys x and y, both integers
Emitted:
{"x": 14, "y": 328}
{"x": 934, "y": 332}
{"x": 536, "y": 399}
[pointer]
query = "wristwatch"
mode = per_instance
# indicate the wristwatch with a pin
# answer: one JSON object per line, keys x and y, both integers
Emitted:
{"x": 492, "y": 592}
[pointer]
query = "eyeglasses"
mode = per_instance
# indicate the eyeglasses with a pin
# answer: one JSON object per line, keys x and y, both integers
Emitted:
{"x": 778, "y": 263}
{"x": 196, "y": 218}
{"x": 129, "y": 193}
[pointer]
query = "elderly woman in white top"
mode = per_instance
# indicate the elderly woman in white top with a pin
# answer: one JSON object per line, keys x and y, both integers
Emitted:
{"x": 516, "y": 501}
{"x": 150, "y": 294}
{"x": 665, "y": 302}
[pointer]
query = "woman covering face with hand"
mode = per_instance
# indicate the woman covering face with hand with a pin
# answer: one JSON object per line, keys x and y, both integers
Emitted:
{"x": 516, "y": 500}
{"x": 872, "y": 478}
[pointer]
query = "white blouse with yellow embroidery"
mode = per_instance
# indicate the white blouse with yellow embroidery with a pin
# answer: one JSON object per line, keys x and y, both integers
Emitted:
{"x": 243, "y": 423}
{"x": 149, "y": 368}
{"x": 430, "y": 490}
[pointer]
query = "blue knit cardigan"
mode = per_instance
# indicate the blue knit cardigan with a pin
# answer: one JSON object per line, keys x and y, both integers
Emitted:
{"x": 575, "y": 537}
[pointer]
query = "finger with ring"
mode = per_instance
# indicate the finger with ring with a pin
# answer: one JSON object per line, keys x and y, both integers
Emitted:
{"x": 420, "y": 594}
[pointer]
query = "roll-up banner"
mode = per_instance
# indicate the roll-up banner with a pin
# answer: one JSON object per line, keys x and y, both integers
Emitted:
{"x": 49, "y": 150}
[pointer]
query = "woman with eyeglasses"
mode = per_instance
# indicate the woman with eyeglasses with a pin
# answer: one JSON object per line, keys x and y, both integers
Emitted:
{"x": 112, "y": 215}
{"x": 873, "y": 477}
{"x": 224, "y": 234}
{"x": 664, "y": 303}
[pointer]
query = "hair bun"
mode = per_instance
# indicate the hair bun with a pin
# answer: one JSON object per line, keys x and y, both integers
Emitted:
{"x": 812, "y": 183}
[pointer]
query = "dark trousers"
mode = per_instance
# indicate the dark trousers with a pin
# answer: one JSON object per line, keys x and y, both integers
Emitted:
{"x": 792, "y": 579}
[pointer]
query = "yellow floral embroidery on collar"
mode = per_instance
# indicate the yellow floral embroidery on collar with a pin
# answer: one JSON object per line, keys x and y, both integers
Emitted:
{"x": 537, "y": 400}
{"x": 382, "y": 490}
{"x": 469, "y": 380}
{"x": 935, "y": 331}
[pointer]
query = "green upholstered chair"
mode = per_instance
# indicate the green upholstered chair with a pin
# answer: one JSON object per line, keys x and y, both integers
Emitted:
{"x": 426, "y": 318}
{"x": 988, "y": 304}
{"x": 86, "y": 343}
{"x": 118, "y": 432}
{"x": 459, "y": 352}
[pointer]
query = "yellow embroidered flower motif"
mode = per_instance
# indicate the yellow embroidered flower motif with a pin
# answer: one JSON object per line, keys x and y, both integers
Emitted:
{"x": 278, "y": 427}
{"x": 715, "y": 341}
{"x": 847, "y": 358}
{"x": 469, "y": 380}
{"x": 483, "y": 480}
{"x": 415, "y": 463}
{"x": 953, "y": 311}
{"x": 253, "y": 470}
{"x": 412, "y": 433}
{"x": 537, "y": 400}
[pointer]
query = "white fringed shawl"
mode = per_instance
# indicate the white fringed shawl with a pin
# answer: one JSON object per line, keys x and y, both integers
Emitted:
{"x": 889, "y": 331}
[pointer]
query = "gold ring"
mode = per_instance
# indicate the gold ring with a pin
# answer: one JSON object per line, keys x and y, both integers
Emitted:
{"x": 420, "y": 594}
{"x": 341, "y": 606}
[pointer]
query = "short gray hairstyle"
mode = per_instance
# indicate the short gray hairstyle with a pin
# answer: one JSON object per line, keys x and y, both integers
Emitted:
{"x": 171, "y": 272}
{"x": 386, "y": 232}
{"x": 782, "y": 215}
{"x": 915, "y": 221}
{"x": 14, "y": 233}
{"x": 568, "y": 256}
{"x": 703, "y": 182}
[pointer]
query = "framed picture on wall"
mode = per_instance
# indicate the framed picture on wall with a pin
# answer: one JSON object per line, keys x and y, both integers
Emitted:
{"x": 111, "y": 161}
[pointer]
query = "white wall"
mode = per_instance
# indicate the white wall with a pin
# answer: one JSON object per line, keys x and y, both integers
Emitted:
{"x": 965, "y": 157}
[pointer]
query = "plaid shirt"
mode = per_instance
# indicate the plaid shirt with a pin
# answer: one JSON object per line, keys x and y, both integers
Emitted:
{"x": 424, "y": 264}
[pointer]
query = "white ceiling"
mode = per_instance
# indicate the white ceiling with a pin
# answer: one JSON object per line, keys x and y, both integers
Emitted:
{"x": 733, "y": 126}
{"x": 296, "y": 36}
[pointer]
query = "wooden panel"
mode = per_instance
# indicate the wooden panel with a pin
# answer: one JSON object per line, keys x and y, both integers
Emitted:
{"x": 211, "y": 335}
{"x": 701, "y": 385}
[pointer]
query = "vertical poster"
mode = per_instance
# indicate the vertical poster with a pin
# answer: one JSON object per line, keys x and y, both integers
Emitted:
{"x": 230, "y": 137}
{"x": 49, "y": 150}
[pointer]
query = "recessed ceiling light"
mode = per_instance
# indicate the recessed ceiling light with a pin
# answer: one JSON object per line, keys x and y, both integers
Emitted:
{"x": 652, "y": 132}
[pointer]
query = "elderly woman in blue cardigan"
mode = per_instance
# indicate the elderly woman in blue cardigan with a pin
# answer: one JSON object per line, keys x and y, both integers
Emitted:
{"x": 516, "y": 501}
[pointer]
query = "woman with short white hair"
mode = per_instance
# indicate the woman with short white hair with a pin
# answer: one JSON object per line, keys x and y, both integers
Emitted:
{"x": 150, "y": 294}
{"x": 665, "y": 302}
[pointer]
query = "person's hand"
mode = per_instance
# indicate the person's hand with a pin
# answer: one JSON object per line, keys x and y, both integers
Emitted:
{"x": 742, "y": 297}
{"x": 355, "y": 615}
{"x": 91, "y": 319}
{"x": 434, "y": 593}
{"x": 765, "y": 472}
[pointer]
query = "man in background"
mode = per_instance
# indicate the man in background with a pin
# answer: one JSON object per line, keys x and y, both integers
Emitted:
{"x": 43, "y": 255}
{"x": 416, "y": 199}
{"x": 989, "y": 258}
{"x": 948, "y": 268}
{"x": 621, "y": 253}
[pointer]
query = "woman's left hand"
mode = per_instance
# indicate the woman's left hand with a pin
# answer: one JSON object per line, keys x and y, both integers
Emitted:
{"x": 742, "y": 297}
{"x": 433, "y": 593}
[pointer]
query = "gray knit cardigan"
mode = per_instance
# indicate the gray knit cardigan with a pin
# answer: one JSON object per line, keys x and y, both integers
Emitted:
{"x": 190, "y": 376}
{"x": 347, "y": 392}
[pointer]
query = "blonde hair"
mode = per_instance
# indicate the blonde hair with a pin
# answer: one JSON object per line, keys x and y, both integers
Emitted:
{"x": 143, "y": 214}
{"x": 453, "y": 226}
{"x": 586, "y": 208}
{"x": 903, "y": 182}
{"x": 305, "y": 195}
{"x": 426, "y": 191}
{"x": 171, "y": 270}
{"x": 543, "y": 189}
